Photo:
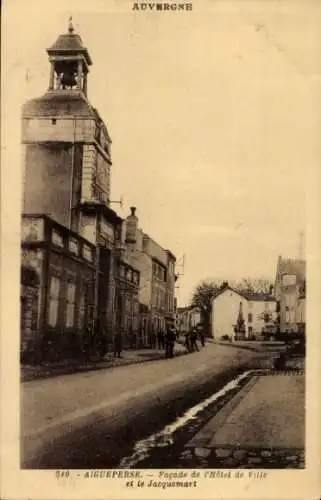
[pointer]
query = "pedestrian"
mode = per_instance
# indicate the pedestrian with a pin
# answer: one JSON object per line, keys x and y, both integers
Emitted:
{"x": 194, "y": 339}
{"x": 153, "y": 338}
{"x": 187, "y": 342}
{"x": 117, "y": 344}
{"x": 202, "y": 337}
{"x": 169, "y": 342}
{"x": 161, "y": 340}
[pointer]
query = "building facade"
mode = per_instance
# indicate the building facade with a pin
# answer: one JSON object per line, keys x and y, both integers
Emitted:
{"x": 256, "y": 310}
{"x": 57, "y": 291}
{"x": 290, "y": 292}
{"x": 188, "y": 318}
{"x": 156, "y": 267}
{"x": 67, "y": 168}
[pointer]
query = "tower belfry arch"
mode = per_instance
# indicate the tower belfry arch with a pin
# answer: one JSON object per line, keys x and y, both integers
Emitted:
{"x": 70, "y": 62}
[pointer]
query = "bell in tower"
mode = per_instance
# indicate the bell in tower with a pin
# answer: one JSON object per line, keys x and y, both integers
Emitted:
{"x": 67, "y": 75}
{"x": 70, "y": 62}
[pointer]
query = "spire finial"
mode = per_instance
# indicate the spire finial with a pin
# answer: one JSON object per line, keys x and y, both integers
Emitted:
{"x": 70, "y": 25}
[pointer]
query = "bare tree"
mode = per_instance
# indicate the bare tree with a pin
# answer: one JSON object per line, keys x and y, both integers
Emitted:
{"x": 254, "y": 285}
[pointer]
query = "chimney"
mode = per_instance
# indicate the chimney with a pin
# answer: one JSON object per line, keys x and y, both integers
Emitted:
{"x": 131, "y": 226}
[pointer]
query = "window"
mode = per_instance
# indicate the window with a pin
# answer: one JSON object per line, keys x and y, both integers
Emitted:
{"x": 73, "y": 246}
{"x": 71, "y": 303}
{"x": 250, "y": 317}
{"x": 57, "y": 239}
{"x": 128, "y": 305}
{"x": 53, "y": 301}
{"x": 87, "y": 253}
{"x": 81, "y": 314}
{"x": 250, "y": 305}
{"x": 97, "y": 132}
{"x": 121, "y": 271}
{"x": 287, "y": 316}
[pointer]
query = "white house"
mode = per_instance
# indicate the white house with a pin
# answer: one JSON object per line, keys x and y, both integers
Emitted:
{"x": 262, "y": 313}
{"x": 258, "y": 311}
{"x": 225, "y": 311}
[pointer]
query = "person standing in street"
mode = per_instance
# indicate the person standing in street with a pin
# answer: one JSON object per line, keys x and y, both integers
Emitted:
{"x": 187, "y": 341}
{"x": 117, "y": 344}
{"x": 169, "y": 342}
{"x": 194, "y": 339}
{"x": 202, "y": 337}
{"x": 161, "y": 340}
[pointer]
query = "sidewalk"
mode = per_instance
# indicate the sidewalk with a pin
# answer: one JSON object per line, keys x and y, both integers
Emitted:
{"x": 259, "y": 425}
{"x": 130, "y": 357}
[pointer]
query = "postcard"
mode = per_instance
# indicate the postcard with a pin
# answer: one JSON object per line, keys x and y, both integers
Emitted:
{"x": 161, "y": 249}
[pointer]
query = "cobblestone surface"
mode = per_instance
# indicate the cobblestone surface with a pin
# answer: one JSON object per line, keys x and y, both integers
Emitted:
{"x": 250, "y": 458}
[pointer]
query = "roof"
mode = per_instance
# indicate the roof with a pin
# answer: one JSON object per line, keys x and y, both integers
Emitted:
{"x": 69, "y": 43}
{"x": 183, "y": 309}
{"x": 188, "y": 308}
{"x": 60, "y": 103}
{"x": 259, "y": 297}
{"x": 249, "y": 296}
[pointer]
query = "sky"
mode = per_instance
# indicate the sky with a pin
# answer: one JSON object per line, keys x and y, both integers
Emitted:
{"x": 212, "y": 117}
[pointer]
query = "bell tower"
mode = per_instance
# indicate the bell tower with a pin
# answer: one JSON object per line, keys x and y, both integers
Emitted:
{"x": 70, "y": 62}
{"x": 65, "y": 142}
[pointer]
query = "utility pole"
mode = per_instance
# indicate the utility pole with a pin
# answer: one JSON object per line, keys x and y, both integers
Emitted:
{"x": 181, "y": 266}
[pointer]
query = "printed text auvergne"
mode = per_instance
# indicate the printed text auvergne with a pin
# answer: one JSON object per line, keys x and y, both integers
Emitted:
{"x": 164, "y": 7}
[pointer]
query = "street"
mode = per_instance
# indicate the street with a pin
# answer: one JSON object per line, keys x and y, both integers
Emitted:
{"x": 130, "y": 416}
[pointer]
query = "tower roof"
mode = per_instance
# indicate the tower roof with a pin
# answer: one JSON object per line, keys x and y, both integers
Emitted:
{"x": 69, "y": 44}
{"x": 55, "y": 104}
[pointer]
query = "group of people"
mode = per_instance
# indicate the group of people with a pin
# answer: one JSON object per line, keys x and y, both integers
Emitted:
{"x": 166, "y": 340}
{"x": 191, "y": 338}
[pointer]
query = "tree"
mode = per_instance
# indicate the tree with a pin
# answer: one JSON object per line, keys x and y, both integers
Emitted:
{"x": 267, "y": 317}
{"x": 203, "y": 296}
{"x": 254, "y": 285}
